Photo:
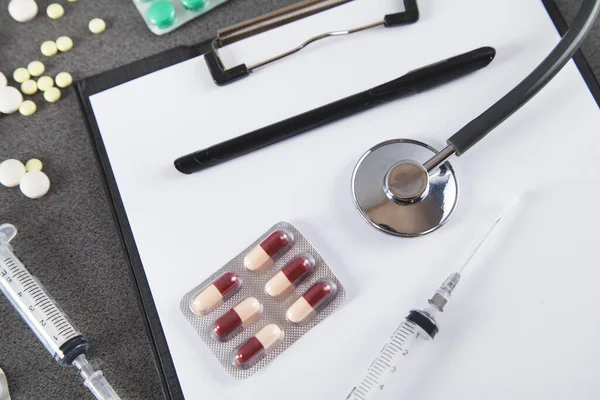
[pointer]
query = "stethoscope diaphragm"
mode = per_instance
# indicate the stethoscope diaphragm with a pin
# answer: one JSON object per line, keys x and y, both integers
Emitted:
{"x": 390, "y": 194}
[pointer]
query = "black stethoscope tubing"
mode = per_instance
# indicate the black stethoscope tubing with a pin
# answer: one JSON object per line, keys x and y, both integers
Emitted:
{"x": 478, "y": 128}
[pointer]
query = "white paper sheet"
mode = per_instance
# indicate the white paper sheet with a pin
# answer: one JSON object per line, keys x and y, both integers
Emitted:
{"x": 524, "y": 325}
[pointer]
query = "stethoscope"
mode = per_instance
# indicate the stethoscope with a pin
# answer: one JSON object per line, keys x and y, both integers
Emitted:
{"x": 406, "y": 188}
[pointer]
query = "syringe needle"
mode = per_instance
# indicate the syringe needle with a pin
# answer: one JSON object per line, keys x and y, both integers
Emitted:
{"x": 480, "y": 239}
{"x": 444, "y": 292}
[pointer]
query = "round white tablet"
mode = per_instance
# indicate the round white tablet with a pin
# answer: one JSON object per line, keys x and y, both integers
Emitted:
{"x": 35, "y": 184}
{"x": 21, "y": 75}
{"x": 49, "y": 48}
{"x": 33, "y": 165}
{"x": 11, "y": 172}
{"x": 55, "y": 11}
{"x": 36, "y": 68}
{"x": 10, "y": 100}
{"x": 27, "y": 108}
{"x": 3, "y": 80}
{"x": 63, "y": 79}
{"x": 23, "y": 10}
{"x": 52, "y": 95}
{"x": 29, "y": 87}
{"x": 97, "y": 25}
{"x": 64, "y": 43}
{"x": 45, "y": 83}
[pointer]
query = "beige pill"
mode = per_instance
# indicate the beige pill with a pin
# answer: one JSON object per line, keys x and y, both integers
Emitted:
{"x": 278, "y": 286}
{"x": 258, "y": 260}
{"x": 49, "y": 48}
{"x": 21, "y": 75}
{"x": 206, "y": 300}
{"x": 316, "y": 297}
{"x": 284, "y": 282}
{"x": 72, "y": 1}
{"x": 27, "y": 108}
{"x": 36, "y": 68}
{"x": 300, "y": 311}
{"x": 45, "y": 83}
{"x": 248, "y": 309}
{"x": 29, "y": 87}
{"x": 34, "y": 164}
{"x": 52, "y": 95}
{"x": 97, "y": 25}
{"x": 269, "y": 335}
{"x": 254, "y": 348}
{"x": 63, "y": 80}
{"x": 64, "y": 43}
{"x": 55, "y": 11}
{"x": 222, "y": 287}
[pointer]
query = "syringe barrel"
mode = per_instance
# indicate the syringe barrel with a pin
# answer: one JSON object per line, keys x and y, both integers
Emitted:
{"x": 38, "y": 309}
{"x": 395, "y": 353}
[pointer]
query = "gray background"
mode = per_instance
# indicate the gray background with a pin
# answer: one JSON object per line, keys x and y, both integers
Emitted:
{"x": 69, "y": 238}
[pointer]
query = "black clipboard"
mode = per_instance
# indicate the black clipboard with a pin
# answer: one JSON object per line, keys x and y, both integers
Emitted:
{"x": 106, "y": 80}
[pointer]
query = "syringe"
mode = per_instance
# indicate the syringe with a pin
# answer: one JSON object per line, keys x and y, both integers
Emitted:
{"x": 50, "y": 324}
{"x": 419, "y": 324}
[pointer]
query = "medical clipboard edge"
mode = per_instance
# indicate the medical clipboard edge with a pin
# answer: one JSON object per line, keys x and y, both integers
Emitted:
{"x": 84, "y": 89}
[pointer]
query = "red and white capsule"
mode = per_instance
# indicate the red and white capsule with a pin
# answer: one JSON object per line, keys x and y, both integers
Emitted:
{"x": 263, "y": 256}
{"x": 311, "y": 302}
{"x": 290, "y": 276}
{"x": 239, "y": 317}
{"x": 214, "y": 294}
{"x": 255, "y": 348}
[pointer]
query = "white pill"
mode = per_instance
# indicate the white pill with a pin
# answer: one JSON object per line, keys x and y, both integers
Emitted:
{"x": 33, "y": 165}
{"x": 35, "y": 184}
{"x": 10, "y": 100}
{"x": 55, "y": 11}
{"x": 29, "y": 87}
{"x": 45, "y": 83}
{"x": 64, "y": 43}
{"x": 49, "y": 48}
{"x": 23, "y": 10}
{"x": 97, "y": 25}
{"x": 3, "y": 80}
{"x": 36, "y": 68}
{"x": 11, "y": 172}
{"x": 27, "y": 108}
{"x": 21, "y": 75}
{"x": 63, "y": 79}
{"x": 52, "y": 95}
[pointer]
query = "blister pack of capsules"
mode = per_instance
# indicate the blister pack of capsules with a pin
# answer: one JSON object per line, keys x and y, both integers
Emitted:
{"x": 263, "y": 300}
{"x": 164, "y": 16}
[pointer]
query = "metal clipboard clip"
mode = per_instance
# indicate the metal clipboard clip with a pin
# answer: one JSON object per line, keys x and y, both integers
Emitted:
{"x": 223, "y": 76}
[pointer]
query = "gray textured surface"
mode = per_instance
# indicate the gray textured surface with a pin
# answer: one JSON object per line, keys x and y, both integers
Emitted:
{"x": 68, "y": 238}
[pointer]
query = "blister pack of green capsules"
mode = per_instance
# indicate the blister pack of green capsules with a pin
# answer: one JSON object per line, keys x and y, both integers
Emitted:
{"x": 164, "y": 16}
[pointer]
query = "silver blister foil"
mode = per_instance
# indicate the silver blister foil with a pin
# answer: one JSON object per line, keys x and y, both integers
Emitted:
{"x": 274, "y": 311}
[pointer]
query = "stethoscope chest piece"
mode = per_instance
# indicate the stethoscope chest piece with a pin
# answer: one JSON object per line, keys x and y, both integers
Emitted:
{"x": 393, "y": 192}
